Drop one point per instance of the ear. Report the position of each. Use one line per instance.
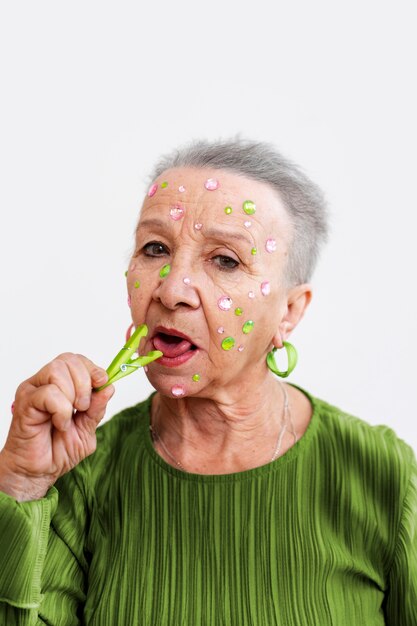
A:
(298, 299)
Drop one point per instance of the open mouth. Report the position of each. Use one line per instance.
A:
(176, 349)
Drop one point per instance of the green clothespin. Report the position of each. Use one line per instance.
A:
(123, 364)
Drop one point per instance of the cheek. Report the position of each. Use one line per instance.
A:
(235, 319)
(137, 285)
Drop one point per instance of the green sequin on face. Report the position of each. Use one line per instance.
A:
(126, 273)
(228, 210)
(196, 378)
(164, 184)
(247, 327)
(137, 284)
(165, 270)
(254, 251)
(238, 311)
(228, 343)
(249, 207)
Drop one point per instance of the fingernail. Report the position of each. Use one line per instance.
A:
(99, 375)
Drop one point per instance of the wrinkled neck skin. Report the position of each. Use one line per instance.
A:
(234, 430)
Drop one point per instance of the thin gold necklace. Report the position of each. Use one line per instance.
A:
(286, 417)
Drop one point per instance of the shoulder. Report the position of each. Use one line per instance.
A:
(364, 475)
(374, 454)
(355, 432)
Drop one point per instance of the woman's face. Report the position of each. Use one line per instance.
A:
(207, 277)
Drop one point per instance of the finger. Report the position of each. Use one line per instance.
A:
(75, 375)
(86, 375)
(98, 404)
(55, 373)
(91, 418)
(50, 403)
(98, 375)
(82, 372)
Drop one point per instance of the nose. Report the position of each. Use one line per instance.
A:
(177, 288)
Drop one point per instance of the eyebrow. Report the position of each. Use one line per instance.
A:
(150, 222)
(214, 233)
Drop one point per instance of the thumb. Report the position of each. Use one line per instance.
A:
(97, 409)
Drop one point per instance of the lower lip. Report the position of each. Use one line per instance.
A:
(176, 360)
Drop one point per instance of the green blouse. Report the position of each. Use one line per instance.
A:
(325, 535)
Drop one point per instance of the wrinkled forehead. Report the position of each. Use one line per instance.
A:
(213, 194)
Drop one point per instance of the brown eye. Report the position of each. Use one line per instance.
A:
(154, 248)
(225, 263)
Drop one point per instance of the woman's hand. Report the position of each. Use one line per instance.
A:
(54, 423)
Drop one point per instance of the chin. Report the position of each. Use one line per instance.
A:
(173, 386)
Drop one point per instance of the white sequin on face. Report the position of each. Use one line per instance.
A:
(181, 188)
(211, 184)
(178, 391)
(265, 288)
(176, 212)
(271, 245)
(251, 294)
(186, 280)
(224, 303)
(198, 226)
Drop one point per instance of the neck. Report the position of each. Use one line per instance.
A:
(208, 436)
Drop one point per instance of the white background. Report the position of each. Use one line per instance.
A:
(93, 92)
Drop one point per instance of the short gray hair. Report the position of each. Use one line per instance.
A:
(260, 161)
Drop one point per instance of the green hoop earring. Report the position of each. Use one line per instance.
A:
(292, 359)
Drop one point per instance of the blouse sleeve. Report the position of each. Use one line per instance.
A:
(401, 596)
(43, 566)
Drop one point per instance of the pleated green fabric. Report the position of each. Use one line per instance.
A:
(324, 535)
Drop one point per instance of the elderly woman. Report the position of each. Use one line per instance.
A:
(227, 497)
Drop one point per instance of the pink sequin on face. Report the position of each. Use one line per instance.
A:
(220, 330)
(181, 188)
(186, 280)
(248, 224)
(152, 190)
(265, 288)
(177, 391)
(176, 212)
(271, 245)
(198, 226)
(251, 294)
(224, 303)
(211, 184)
(129, 301)
(241, 348)
(132, 267)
